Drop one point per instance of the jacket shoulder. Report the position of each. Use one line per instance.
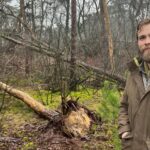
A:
(134, 64)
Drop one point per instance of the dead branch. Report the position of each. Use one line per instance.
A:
(37, 48)
(46, 51)
(103, 74)
(9, 139)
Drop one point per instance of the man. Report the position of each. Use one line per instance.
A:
(134, 115)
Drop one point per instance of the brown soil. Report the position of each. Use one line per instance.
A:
(41, 135)
(22, 129)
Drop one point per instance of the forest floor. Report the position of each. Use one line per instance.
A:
(22, 129)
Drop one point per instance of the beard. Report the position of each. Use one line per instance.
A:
(146, 55)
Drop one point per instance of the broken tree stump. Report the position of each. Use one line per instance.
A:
(78, 119)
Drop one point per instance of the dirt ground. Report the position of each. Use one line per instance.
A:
(22, 129)
(39, 134)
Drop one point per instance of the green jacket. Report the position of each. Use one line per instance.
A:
(134, 115)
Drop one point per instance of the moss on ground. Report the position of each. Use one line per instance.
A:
(15, 115)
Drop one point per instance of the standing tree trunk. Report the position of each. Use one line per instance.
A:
(64, 79)
(41, 18)
(108, 33)
(33, 15)
(67, 23)
(73, 46)
(25, 32)
(22, 14)
(103, 38)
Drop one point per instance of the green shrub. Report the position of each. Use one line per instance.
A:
(109, 104)
(108, 109)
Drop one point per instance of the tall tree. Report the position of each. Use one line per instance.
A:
(108, 34)
(73, 46)
(23, 29)
(22, 14)
(65, 83)
(33, 15)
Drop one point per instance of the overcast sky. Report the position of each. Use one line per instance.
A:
(14, 3)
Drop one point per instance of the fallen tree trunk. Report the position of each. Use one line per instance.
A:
(103, 74)
(31, 102)
(76, 121)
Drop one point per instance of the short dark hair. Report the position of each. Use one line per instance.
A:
(141, 24)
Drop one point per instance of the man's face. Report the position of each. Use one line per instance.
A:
(144, 42)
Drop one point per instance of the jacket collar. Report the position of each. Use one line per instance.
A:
(136, 70)
(135, 65)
